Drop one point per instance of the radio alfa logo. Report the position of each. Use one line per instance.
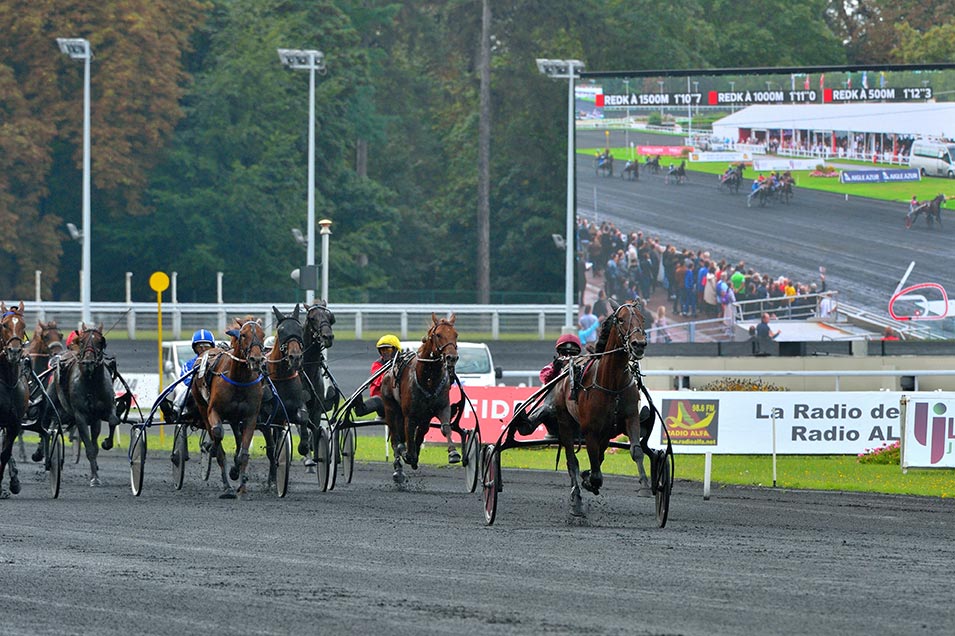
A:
(934, 430)
(691, 422)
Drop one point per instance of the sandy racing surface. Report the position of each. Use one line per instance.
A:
(369, 558)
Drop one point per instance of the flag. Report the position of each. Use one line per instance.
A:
(806, 85)
(865, 80)
(822, 81)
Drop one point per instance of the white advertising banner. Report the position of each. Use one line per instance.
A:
(720, 157)
(782, 163)
(823, 423)
(145, 388)
(929, 431)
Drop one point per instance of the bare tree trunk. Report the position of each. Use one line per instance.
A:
(484, 154)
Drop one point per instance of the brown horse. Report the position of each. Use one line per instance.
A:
(47, 341)
(228, 387)
(83, 392)
(14, 393)
(605, 402)
(416, 390)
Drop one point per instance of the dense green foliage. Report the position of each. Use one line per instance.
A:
(200, 135)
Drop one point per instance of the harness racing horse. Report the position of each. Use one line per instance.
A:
(318, 336)
(676, 174)
(416, 390)
(653, 164)
(631, 171)
(14, 391)
(83, 392)
(932, 210)
(283, 365)
(47, 341)
(228, 387)
(604, 163)
(605, 402)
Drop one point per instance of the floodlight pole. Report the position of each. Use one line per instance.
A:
(79, 49)
(312, 61)
(569, 70)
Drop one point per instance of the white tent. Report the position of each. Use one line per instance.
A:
(902, 119)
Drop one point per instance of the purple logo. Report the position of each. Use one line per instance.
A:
(936, 431)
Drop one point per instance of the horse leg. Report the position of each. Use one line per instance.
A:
(214, 427)
(573, 469)
(6, 457)
(593, 479)
(419, 435)
(635, 428)
(113, 423)
(269, 452)
(242, 457)
(454, 457)
(83, 430)
(23, 449)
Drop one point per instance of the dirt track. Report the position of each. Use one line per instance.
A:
(367, 558)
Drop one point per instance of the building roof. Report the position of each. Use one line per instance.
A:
(907, 119)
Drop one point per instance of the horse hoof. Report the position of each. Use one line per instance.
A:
(94, 482)
(228, 494)
(398, 476)
(107, 444)
(454, 457)
(234, 473)
(4, 494)
(14, 486)
(243, 490)
(37, 455)
(303, 448)
(644, 490)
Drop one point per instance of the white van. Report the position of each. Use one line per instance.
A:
(475, 366)
(933, 158)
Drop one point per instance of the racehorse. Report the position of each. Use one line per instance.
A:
(14, 393)
(677, 175)
(228, 387)
(604, 162)
(284, 367)
(604, 402)
(653, 164)
(631, 171)
(417, 390)
(732, 178)
(47, 341)
(83, 392)
(785, 187)
(932, 210)
(318, 336)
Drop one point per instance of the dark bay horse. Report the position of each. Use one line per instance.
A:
(318, 336)
(283, 365)
(631, 171)
(14, 391)
(417, 390)
(932, 210)
(607, 401)
(83, 392)
(228, 387)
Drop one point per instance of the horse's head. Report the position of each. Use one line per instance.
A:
(318, 325)
(47, 339)
(13, 332)
(92, 347)
(289, 338)
(627, 324)
(441, 342)
(248, 342)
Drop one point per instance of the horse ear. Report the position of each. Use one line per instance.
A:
(3, 307)
(20, 308)
(295, 312)
(237, 321)
(434, 318)
(323, 303)
(277, 313)
(99, 327)
(452, 318)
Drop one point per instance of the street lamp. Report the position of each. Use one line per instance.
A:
(312, 61)
(569, 70)
(325, 232)
(79, 49)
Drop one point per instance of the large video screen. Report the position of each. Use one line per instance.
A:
(804, 174)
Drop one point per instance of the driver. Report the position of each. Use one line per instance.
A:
(388, 345)
(567, 347)
(180, 400)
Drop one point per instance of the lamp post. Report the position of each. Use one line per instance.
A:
(311, 61)
(79, 49)
(626, 84)
(733, 103)
(660, 82)
(325, 232)
(696, 89)
(569, 70)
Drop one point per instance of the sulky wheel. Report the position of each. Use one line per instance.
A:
(664, 485)
(55, 457)
(180, 450)
(283, 460)
(472, 459)
(205, 455)
(334, 456)
(491, 482)
(348, 448)
(321, 451)
(137, 459)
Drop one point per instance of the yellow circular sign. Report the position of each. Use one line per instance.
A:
(159, 281)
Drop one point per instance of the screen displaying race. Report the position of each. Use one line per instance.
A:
(658, 153)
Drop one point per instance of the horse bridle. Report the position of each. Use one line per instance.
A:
(14, 338)
(255, 341)
(438, 354)
(86, 347)
(328, 318)
(632, 360)
(283, 347)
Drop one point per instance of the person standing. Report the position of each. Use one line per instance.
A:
(764, 335)
(587, 323)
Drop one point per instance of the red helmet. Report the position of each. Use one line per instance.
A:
(70, 338)
(567, 341)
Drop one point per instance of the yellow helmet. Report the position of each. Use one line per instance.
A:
(388, 340)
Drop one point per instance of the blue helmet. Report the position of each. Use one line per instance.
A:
(203, 336)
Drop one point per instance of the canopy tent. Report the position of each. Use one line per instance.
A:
(903, 119)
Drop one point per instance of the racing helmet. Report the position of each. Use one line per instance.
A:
(389, 340)
(70, 339)
(203, 336)
(568, 344)
(269, 342)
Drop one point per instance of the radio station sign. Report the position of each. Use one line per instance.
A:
(772, 96)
